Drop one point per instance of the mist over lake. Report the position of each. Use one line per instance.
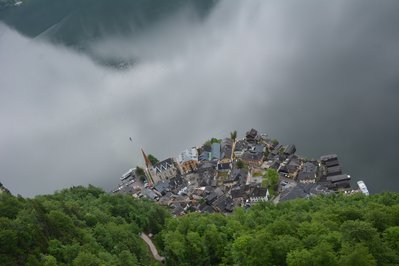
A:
(323, 75)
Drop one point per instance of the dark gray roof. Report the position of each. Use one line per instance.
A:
(162, 186)
(294, 193)
(237, 192)
(334, 170)
(241, 145)
(164, 165)
(210, 197)
(238, 174)
(252, 134)
(343, 184)
(337, 178)
(259, 148)
(333, 162)
(223, 166)
(258, 192)
(251, 156)
(308, 171)
(290, 149)
(328, 157)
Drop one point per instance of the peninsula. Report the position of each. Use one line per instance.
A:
(222, 174)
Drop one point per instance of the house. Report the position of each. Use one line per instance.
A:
(342, 180)
(150, 194)
(205, 156)
(223, 167)
(211, 197)
(289, 150)
(290, 165)
(162, 187)
(240, 147)
(237, 176)
(166, 169)
(259, 194)
(334, 170)
(329, 160)
(223, 204)
(252, 136)
(188, 160)
(216, 151)
(308, 173)
(253, 157)
(238, 192)
(227, 150)
(295, 192)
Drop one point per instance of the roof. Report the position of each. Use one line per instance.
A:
(294, 193)
(334, 170)
(223, 166)
(328, 157)
(309, 167)
(333, 162)
(238, 174)
(308, 171)
(337, 178)
(227, 146)
(164, 165)
(205, 156)
(251, 135)
(241, 145)
(290, 149)
(188, 155)
(237, 192)
(215, 150)
(259, 192)
(251, 156)
(259, 148)
(162, 186)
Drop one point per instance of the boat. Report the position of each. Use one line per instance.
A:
(363, 188)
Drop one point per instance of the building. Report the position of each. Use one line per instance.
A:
(149, 171)
(339, 181)
(188, 160)
(166, 169)
(223, 167)
(252, 136)
(252, 157)
(308, 173)
(227, 150)
(329, 160)
(289, 150)
(240, 147)
(259, 194)
(216, 150)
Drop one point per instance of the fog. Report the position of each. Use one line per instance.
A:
(320, 74)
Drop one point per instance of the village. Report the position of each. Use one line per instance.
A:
(226, 173)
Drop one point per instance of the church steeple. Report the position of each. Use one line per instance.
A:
(146, 160)
(149, 170)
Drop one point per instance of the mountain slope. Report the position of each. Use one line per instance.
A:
(86, 226)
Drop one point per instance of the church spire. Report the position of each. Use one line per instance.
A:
(146, 160)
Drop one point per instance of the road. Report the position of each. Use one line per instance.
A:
(152, 247)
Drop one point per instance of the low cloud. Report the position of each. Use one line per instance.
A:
(319, 74)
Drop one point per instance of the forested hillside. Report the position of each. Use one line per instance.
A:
(336, 230)
(86, 226)
(78, 226)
